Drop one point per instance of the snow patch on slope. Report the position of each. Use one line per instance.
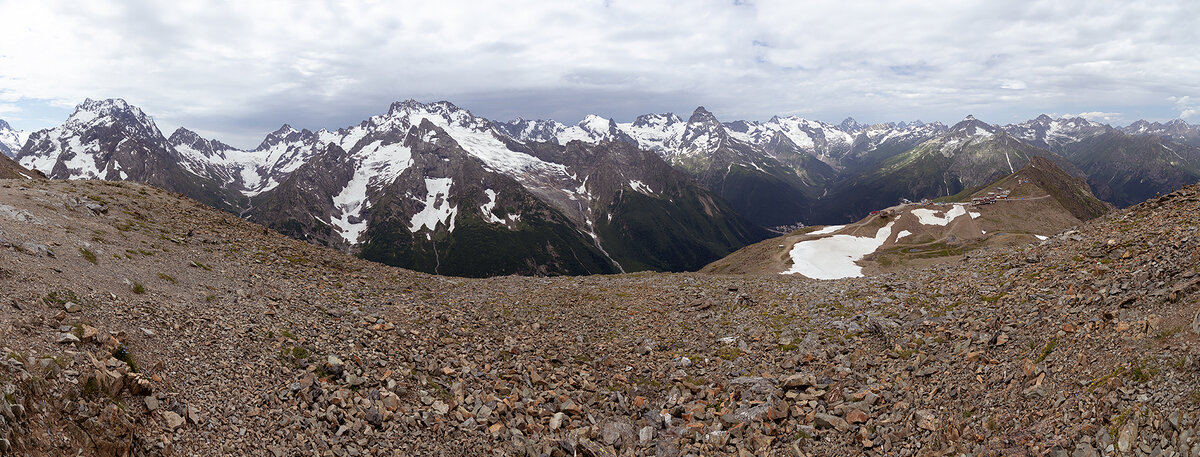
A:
(931, 217)
(351, 201)
(834, 257)
(641, 187)
(489, 206)
(437, 206)
(829, 229)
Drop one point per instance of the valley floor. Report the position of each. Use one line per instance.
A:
(135, 321)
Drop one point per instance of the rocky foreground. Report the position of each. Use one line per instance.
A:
(135, 322)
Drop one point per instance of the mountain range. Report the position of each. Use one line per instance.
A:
(435, 188)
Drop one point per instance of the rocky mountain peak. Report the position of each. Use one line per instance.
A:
(406, 106)
(184, 136)
(703, 116)
(850, 125)
(116, 111)
(972, 126)
(280, 135)
(1044, 118)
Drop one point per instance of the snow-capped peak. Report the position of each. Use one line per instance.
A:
(112, 110)
(11, 139)
(656, 120)
(597, 125)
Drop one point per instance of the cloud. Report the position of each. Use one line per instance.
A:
(1187, 109)
(1014, 84)
(246, 67)
(1099, 116)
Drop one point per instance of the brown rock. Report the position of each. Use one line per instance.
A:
(926, 419)
(828, 421)
(799, 381)
(173, 420)
(855, 416)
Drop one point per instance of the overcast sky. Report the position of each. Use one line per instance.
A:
(237, 70)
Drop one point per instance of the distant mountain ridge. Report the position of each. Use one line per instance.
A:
(425, 186)
(397, 189)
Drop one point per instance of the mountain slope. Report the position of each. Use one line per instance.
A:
(443, 209)
(1125, 169)
(10, 169)
(1036, 201)
(648, 215)
(758, 185)
(969, 155)
(1176, 130)
(412, 196)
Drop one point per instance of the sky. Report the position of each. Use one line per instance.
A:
(235, 70)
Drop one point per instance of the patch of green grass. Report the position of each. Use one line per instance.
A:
(88, 255)
(1047, 349)
(123, 355)
(1118, 421)
(201, 266)
(60, 297)
(992, 298)
(166, 277)
(1103, 379)
(1165, 334)
(1142, 373)
(292, 355)
(138, 288)
(729, 352)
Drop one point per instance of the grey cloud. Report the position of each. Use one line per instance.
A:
(239, 69)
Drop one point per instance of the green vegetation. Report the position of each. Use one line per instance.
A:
(1168, 333)
(138, 288)
(166, 277)
(1104, 379)
(294, 355)
(1047, 349)
(729, 352)
(123, 355)
(60, 297)
(1142, 372)
(88, 255)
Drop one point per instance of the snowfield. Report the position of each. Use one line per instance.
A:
(437, 207)
(930, 216)
(833, 257)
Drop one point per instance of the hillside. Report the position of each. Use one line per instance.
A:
(10, 169)
(139, 322)
(1038, 200)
